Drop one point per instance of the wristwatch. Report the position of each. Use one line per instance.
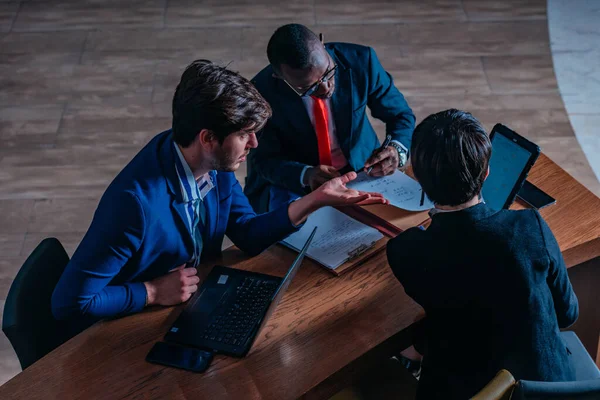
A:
(402, 153)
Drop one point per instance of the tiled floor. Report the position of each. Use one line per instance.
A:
(86, 83)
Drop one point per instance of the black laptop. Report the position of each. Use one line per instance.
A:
(231, 308)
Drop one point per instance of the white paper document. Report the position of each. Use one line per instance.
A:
(401, 190)
(338, 237)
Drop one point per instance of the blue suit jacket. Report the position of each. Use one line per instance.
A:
(496, 292)
(139, 232)
(288, 142)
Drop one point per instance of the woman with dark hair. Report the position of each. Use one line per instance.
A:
(493, 284)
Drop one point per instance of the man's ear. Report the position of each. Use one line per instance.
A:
(487, 173)
(207, 139)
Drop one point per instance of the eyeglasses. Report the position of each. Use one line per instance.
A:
(328, 75)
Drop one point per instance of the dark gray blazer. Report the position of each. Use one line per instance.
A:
(496, 291)
(288, 142)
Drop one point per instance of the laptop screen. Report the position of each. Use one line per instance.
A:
(286, 282)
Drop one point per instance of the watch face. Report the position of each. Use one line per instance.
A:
(403, 159)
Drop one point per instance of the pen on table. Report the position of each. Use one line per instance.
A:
(385, 144)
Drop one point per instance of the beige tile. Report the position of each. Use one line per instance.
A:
(486, 10)
(476, 49)
(9, 267)
(533, 124)
(524, 74)
(57, 182)
(114, 131)
(11, 244)
(382, 11)
(108, 80)
(20, 89)
(426, 75)
(481, 32)
(231, 13)
(159, 60)
(123, 139)
(87, 83)
(15, 215)
(62, 215)
(164, 87)
(70, 155)
(8, 11)
(533, 32)
(248, 68)
(114, 123)
(29, 126)
(192, 39)
(47, 42)
(460, 82)
(101, 112)
(493, 102)
(32, 59)
(69, 240)
(89, 14)
(180, 60)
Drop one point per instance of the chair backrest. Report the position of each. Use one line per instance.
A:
(575, 390)
(28, 321)
(499, 388)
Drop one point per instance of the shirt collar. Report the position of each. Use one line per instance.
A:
(472, 214)
(435, 211)
(190, 188)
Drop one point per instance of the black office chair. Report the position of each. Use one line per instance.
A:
(586, 386)
(28, 321)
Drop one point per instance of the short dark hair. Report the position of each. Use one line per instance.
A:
(450, 154)
(292, 44)
(212, 97)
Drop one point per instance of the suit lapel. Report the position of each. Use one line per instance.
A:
(341, 103)
(211, 203)
(167, 161)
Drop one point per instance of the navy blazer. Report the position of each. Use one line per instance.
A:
(140, 232)
(495, 290)
(288, 142)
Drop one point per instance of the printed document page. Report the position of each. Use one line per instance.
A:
(338, 237)
(401, 190)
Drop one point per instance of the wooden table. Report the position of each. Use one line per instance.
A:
(326, 330)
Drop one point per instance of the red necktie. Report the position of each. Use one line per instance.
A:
(322, 129)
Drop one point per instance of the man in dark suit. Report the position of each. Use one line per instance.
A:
(493, 284)
(319, 94)
(172, 204)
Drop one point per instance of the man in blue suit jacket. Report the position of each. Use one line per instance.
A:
(172, 204)
(345, 79)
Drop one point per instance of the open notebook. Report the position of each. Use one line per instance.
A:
(339, 238)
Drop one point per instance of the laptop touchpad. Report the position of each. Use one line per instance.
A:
(208, 300)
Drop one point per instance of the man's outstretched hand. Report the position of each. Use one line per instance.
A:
(335, 193)
(332, 193)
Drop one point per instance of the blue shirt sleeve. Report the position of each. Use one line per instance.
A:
(115, 235)
(253, 233)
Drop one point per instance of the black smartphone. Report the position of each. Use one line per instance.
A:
(174, 355)
(534, 196)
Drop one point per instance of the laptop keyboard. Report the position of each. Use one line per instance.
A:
(233, 322)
